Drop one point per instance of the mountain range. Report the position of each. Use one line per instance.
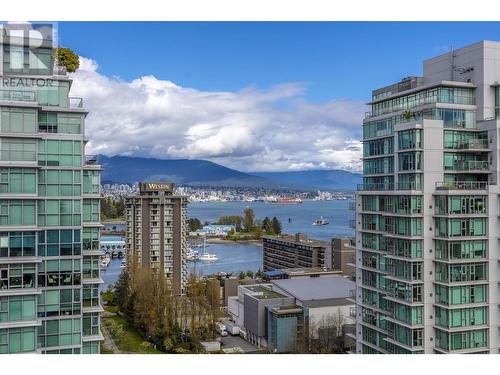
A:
(127, 169)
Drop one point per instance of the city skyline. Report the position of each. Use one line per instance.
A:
(231, 101)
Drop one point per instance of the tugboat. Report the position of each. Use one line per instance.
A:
(321, 221)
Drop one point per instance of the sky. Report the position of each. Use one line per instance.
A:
(251, 96)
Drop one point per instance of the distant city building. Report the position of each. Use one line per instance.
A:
(49, 204)
(157, 231)
(344, 256)
(294, 251)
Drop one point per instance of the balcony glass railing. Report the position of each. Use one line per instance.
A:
(462, 185)
(75, 102)
(471, 144)
(389, 186)
(469, 165)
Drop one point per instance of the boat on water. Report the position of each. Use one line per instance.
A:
(123, 264)
(105, 262)
(287, 201)
(321, 221)
(207, 256)
(192, 255)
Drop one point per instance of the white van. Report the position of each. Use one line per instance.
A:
(221, 328)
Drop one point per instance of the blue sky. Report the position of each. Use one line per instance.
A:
(335, 60)
(250, 96)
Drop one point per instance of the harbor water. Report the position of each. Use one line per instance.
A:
(236, 257)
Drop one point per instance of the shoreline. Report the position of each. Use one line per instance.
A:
(229, 242)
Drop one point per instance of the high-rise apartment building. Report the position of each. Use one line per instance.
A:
(157, 231)
(49, 204)
(294, 251)
(427, 215)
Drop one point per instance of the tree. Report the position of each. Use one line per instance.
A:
(194, 225)
(259, 274)
(265, 224)
(67, 58)
(241, 275)
(250, 274)
(276, 225)
(234, 220)
(248, 219)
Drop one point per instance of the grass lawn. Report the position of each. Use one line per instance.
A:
(126, 337)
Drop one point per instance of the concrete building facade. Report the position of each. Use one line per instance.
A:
(427, 213)
(157, 231)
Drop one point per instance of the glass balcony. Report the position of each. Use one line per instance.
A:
(75, 102)
(469, 165)
(389, 186)
(462, 185)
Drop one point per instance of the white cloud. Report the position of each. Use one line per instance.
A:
(251, 130)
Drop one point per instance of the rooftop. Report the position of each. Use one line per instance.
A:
(298, 239)
(263, 292)
(316, 288)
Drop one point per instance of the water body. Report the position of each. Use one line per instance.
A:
(111, 274)
(243, 257)
(302, 215)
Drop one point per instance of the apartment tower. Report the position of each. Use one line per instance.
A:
(49, 204)
(157, 231)
(427, 213)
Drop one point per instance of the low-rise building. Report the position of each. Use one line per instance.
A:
(291, 315)
(292, 251)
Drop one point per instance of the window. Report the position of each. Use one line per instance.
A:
(61, 332)
(91, 210)
(59, 302)
(91, 182)
(17, 244)
(59, 272)
(17, 180)
(91, 324)
(17, 149)
(16, 308)
(55, 182)
(90, 238)
(17, 340)
(61, 242)
(68, 123)
(17, 276)
(18, 120)
(59, 153)
(62, 212)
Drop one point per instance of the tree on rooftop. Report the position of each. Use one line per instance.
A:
(67, 58)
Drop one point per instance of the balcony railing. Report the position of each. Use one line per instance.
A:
(75, 102)
(18, 95)
(352, 224)
(91, 159)
(472, 144)
(352, 293)
(389, 187)
(352, 206)
(462, 185)
(469, 165)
